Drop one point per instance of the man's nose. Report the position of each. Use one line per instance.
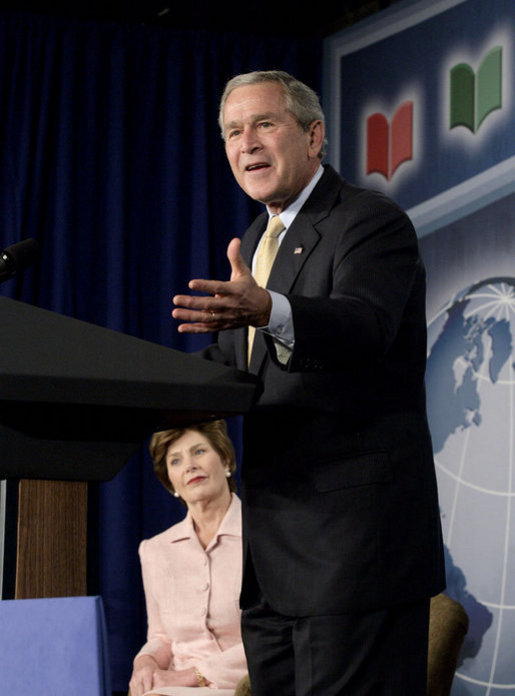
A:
(249, 141)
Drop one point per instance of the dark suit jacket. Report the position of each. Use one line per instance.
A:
(340, 506)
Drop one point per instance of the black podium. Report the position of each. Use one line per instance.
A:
(76, 401)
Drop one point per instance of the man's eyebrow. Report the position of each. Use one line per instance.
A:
(256, 117)
(269, 114)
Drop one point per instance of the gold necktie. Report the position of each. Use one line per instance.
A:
(264, 261)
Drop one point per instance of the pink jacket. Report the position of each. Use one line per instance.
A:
(192, 598)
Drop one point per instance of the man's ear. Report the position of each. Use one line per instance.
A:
(316, 137)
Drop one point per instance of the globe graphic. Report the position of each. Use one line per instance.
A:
(471, 409)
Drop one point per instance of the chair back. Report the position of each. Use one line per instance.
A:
(448, 626)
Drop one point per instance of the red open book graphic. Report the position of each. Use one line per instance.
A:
(389, 146)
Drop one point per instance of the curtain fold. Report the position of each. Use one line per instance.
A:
(111, 157)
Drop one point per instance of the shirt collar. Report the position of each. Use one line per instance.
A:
(288, 214)
(231, 523)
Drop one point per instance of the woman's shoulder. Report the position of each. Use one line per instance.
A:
(179, 530)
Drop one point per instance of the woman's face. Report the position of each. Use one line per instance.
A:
(195, 469)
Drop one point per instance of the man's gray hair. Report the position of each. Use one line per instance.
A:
(301, 101)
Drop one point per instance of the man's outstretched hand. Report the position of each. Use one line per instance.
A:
(226, 305)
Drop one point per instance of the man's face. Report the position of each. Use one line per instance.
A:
(271, 157)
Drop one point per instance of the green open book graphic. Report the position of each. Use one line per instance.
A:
(473, 97)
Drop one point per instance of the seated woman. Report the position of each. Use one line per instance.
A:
(192, 571)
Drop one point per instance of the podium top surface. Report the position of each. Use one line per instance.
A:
(74, 390)
(47, 357)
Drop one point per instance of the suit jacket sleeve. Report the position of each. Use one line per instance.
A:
(158, 643)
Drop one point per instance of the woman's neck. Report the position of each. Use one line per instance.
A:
(207, 517)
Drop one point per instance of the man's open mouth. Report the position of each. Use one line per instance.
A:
(254, 167)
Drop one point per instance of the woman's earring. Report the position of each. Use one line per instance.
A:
(228, 473)
(176, 495)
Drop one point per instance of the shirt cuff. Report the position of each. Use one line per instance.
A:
(280, 327)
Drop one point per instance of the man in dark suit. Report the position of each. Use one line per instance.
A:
(341, 523)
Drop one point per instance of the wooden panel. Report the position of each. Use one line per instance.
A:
(51, 558)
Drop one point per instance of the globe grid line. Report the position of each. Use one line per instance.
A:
(473, 486)
(488, 685)
(493, 605)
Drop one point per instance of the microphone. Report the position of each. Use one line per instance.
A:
(17, 257)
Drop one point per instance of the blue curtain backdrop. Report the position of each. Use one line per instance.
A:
(110, 156)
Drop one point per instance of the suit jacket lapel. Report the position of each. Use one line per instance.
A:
(293, 253)
(302, 237)
(298, 244)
